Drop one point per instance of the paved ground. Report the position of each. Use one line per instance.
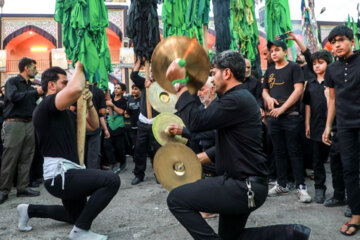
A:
(140, 212)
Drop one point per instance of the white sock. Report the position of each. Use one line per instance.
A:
(22, 210)
(81, 234)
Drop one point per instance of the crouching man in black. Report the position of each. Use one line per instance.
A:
(64, 178)
(240, 162)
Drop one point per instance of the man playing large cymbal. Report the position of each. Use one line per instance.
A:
(241, 186)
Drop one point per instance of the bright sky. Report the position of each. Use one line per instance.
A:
(336, 10)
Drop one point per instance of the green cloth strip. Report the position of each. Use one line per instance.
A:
(184, 80)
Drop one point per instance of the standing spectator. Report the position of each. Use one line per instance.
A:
(133, 110)
(315, 120)
(343, 79)
(93, 138)
(283, 87)
(18, 131)
(2, 96)
(117, 126)
(252, 84)
(145, 141)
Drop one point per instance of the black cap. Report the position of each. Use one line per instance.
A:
(278, 43)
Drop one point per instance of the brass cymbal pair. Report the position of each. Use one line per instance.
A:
(175, 164)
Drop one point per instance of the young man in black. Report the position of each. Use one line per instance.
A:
(240, 162)
(117, 133)
(343, 79)
(283, 87)
(145, 141)
(315, 119)
(64, 178)
(133, 110)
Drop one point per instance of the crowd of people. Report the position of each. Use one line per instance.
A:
(248, 133)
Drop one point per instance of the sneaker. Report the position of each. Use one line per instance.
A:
(347, 212)
(319, 195)
(278, 190)
(303, 195)
(22, 210)
(291, 186)
(333, 202)
(116, 169)
(272, 181)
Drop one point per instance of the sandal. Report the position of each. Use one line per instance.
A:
(355, 226)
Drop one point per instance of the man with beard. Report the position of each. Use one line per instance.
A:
(240, 161)
(18, 131)
(84, 192)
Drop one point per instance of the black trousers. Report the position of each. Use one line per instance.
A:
(349, 139)
(118, 143)
(92, 151)
(226, 196)
(99, 186)
(321, 153)
(145, 143)
(337, 169)
(285, 136)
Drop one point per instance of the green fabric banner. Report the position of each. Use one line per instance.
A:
(84, 25)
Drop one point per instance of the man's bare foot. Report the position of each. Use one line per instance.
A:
(352, 226)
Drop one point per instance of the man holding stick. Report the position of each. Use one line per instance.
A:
(64, 178)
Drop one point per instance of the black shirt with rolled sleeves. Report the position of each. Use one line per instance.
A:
(280, 83)
(315, 97)
(56, 130)
(140, 82)
(99, 102)
(344, 77)
(133, 110)
(20, 98)
(237, 119)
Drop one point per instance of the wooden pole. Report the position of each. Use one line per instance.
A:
(147, 78)
(81, 127)
(205, 39)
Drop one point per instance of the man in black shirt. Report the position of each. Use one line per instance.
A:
(240, 162)
(252, 84)
(64, 178)
(283, 87)
(18, 131)
(133, 110)
(93, 138)
(343, 79)
(145, 141)
(117, 128)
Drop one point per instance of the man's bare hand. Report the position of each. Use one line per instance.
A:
(203, 157)
(39, 90)
(176, 129)
(276, 112)
(270, 103)
(326, 136)
(87, 96)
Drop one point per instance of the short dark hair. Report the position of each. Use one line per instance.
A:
(232, 60)
(322, 54)
(50, 75)
(341, 30)
(134, 85)
(24, 62)
(122, 85)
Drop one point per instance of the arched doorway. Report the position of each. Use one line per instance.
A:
(29, 41)
(114, 36)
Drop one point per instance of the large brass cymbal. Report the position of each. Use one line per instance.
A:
(176, 164)
(197, 62)
(160, 128)
(160, 99)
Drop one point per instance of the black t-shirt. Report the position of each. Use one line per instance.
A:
(315, 97)
(121, 103)
(344, 77)
(99, 103)
(280, 83)
(134, 110)
(56, 130)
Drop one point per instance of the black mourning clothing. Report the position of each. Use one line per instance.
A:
(236, 116)
(20, 98)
